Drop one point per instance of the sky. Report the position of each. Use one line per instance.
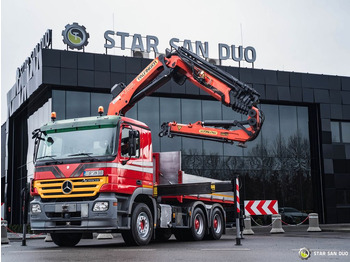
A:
(309, 36)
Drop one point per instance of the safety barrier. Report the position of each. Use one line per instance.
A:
(313, 223)
(48, 238)
(248, 226)
(4, 238)
(277, 224)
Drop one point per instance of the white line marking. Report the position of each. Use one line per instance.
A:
(133, 250)
(225, 249)
(34, 251)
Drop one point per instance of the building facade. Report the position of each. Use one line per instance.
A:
(301, 157)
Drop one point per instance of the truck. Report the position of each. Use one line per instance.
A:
(100, 174)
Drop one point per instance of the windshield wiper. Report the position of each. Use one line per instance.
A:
(85, 154)
(52, 157)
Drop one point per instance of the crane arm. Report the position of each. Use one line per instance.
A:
(182, 65)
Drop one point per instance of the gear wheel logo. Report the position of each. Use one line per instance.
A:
(75, 36)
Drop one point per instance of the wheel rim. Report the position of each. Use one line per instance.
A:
(198, 224)
(217, 223)
(143, 225)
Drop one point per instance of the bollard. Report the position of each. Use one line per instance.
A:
(104, 236)
(276, 224)
(4, 239)
(248, 226)
(313, 223)
(48, 238)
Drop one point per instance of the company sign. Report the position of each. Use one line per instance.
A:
(75, 36)
(151, 42)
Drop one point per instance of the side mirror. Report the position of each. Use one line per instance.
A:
(133, 135)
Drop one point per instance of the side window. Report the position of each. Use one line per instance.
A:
(125, 143)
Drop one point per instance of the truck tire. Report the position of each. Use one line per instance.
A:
(199, 224)
(217, 224)
(66, 239)
(141, 230)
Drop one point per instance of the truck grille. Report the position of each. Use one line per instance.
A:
(80, 187)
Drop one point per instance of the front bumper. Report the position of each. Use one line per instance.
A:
(75, 216)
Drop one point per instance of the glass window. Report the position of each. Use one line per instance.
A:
(303, 121)
(148, 112)
(212, 111)
(345, 131)
(191, 112)
(59, 103)
(335, 131)
(125, 143)
(170, 110)
(270, 132)
(85, 141)
(99, 99)
(77, 104)
(229, 114)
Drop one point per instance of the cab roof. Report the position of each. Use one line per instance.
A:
(82, 122)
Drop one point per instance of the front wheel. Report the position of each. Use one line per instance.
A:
(66, 239)
(141, 230)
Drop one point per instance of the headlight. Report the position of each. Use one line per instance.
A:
(100, 206)
(93, 173)
(36, 208)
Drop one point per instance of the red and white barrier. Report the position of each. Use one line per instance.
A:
(261, 207)
(237, 196)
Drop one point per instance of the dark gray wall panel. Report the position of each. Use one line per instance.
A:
(308, 95)
(284, 93)
(133, 65)
(321, 96)
(51, 75)
(296, 94)
(271, 92)
(325, 110)
(69, 60)
(69, 77)
(118, 64)
(51, 58)
(346, 112)
(85, 61)
(345, 83)
(86, 78)
(336, 111)
(295, 79)
(345, 97)
(335, 96)
(102, 63)
(283, 78)
(271, 77)
(103, 79)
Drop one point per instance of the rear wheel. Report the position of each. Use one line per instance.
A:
(199, 224)
(141, 226)
(217, 224)
(66, 239)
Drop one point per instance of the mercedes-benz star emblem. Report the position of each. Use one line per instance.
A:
(67, 187)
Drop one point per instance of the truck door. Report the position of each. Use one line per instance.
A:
(134, 167)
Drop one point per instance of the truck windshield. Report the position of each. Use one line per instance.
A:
(77, 143)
